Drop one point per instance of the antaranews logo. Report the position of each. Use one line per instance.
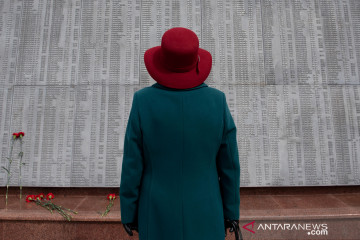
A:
(311, 229)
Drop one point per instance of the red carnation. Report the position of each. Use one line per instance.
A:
(111, 196)
(49, 205)
(16, 135)
(21, 134)
(49, 196)
(29, 198)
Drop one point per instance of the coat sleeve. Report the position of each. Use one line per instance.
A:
(132, 166)
(228, 167)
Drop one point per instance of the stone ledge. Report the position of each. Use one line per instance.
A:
(261, 203)
(338, 206)
(86, 201)
(293, 203)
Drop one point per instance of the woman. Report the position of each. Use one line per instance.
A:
(180, 174)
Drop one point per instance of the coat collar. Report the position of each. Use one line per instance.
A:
(157, 85)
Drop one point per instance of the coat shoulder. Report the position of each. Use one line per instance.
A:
(216, 91)
(146, 91)
(143, 91)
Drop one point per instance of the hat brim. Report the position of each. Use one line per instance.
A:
(178, 80)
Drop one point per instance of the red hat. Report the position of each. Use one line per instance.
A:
(178, 62)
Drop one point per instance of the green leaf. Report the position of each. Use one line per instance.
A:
(21, 154)
(6, 170)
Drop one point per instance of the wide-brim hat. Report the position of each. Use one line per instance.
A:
(178, 62)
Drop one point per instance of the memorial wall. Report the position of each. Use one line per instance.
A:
(290, 70)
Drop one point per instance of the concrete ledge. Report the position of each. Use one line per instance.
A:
(88, 202)
(300, 203)
(22, 220)
(338, 207)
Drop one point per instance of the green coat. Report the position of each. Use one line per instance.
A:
(180, 172)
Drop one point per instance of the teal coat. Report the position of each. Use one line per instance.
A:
(180, 172)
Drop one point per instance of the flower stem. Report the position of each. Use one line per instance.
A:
(59, 209)
(21, 156)
(65, 215)
(70, 210)
(8, 170)
(46, 205)
(108, 208)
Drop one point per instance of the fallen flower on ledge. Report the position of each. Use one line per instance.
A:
(46, 203)
(111, 198)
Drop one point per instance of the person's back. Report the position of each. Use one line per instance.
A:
(180, 176)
